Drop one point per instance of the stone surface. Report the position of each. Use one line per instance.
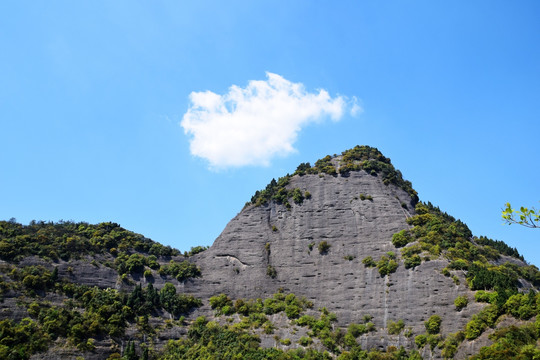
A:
(258, 237)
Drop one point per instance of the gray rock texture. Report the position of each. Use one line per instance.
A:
(287, 240)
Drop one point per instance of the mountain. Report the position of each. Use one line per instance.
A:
(338, 260)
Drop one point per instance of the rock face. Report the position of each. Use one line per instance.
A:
(309, 234)
(261, 239)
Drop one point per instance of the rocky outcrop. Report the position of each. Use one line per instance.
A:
(261, 239)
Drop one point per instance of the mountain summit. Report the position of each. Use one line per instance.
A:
(338, 260)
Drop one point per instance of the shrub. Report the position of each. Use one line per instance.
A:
(297, 196)
(401, 238)
(370, 326)
(286, 342)
(474, 328)
(292, 311)
(181, 271)
(366, 197)
(176, 304)
(305, 341)
(433, 324)
(413, 261)
(271, 271)
(218, 302)
(148, 274)
(268, 327)
(196, 250)
(409, 332)
(357, 329)
(349, 257)
(460, 302)
(485, 296)
(369, 262)
(395, 328)
(420, 341)
(445, 272)
(323, 247)
(459, 264)
(386, 266)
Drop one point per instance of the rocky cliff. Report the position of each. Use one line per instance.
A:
(356, 215)
(341, 256)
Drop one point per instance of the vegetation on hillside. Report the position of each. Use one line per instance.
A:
(80, 314)
(359, 158)
(60, 312)
(87, 313)
(436, 234)
(240, 324)
(68, 240)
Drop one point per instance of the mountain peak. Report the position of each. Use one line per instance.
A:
(360, 158)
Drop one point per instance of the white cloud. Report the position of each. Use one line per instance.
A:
(251, 125)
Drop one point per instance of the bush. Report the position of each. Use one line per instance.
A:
(297, 196)
(271, 271)
(323, 247)
(357, 329)
(474, 329)
(177, 304)
(445, 272)
(433, 324)
(292, 311)
(286, 342)
(181, 271)
(305, 341)
(195, 250)
(366, 197)
(413, 261)
(420, 341)
(219, 301)
(402, 238)
(394, 328)
(148, 274)
(386, 266)
(485, 296)
(461, 302)
(459, 264)
(369, 262)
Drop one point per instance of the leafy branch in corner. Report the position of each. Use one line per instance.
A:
(527, 217)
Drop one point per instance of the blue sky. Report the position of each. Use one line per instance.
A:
(92, 96)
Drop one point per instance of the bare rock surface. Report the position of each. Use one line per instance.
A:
(272, 236)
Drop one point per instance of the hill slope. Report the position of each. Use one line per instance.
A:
(337, 260)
